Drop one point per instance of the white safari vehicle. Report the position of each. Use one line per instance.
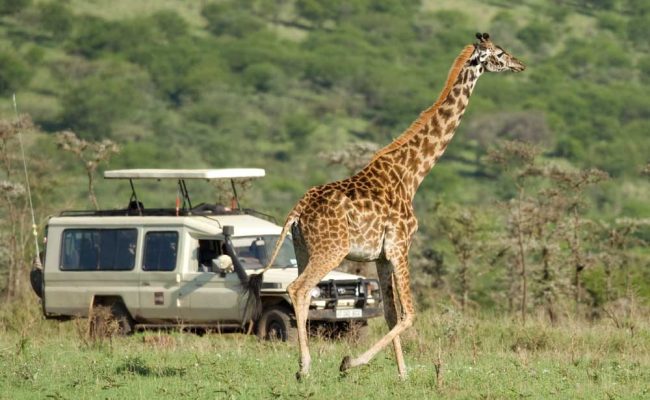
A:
(185, 265)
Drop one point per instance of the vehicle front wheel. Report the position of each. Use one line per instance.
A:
(276, 323)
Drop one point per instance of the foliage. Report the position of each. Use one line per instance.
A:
(14, 73)
(13, 6)
(56, 18)
(91, 154)
(474, 356)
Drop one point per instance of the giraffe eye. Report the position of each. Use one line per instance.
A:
(501, 54)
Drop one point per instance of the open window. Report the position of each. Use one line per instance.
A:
(209, 250)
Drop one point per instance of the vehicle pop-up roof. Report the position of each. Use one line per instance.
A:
(180, 175)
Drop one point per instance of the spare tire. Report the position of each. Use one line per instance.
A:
(36, 279)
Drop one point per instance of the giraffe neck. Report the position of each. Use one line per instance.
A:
(411, 156)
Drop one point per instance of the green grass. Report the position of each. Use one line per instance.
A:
(481, 358)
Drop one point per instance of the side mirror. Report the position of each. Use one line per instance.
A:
(223, 264)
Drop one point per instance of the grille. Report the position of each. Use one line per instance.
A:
(341, 289)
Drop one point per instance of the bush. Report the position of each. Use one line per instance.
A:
(170, 24)
(94, 104)
(55, 18)
(13, 6)
(223, 20)
(264, 77)
(14, 73)
(536, 35)
(93, 36)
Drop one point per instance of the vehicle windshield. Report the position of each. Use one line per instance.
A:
(254, 251)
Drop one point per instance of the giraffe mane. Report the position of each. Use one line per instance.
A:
(415, 127)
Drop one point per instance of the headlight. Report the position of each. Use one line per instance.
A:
(315, 292)
(373, 287)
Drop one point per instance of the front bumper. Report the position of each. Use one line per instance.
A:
(330, 314)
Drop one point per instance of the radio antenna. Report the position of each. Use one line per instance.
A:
(29, 191)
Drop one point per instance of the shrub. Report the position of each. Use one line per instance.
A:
(224, 20)
(55, 18)
(14, 73)
(94, 104)
(264, 77)
(13, 6)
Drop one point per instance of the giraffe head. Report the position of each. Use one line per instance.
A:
(493, 57)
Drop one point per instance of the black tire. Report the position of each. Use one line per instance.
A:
(36, 279)
(277, 323)
(123, 318)
(102, 315)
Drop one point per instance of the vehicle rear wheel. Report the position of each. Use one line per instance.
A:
(110, 319)
(123, 318)
(276, 323)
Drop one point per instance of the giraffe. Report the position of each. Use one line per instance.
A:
(369, 216)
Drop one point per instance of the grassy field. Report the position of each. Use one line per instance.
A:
(488, 358)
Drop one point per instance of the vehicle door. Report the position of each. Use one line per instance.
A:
(214, 295)
(159, 280)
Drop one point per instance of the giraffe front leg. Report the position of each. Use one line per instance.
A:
(301, 308)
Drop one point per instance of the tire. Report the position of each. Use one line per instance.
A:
(123, 318)
(110, 319)
(276, 323)
(36, 280)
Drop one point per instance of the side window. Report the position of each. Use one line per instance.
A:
(207, 251)
(160, 250)
(98, 249)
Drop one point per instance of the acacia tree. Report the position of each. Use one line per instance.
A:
(462, 227)
(546, 226)
(576, 229)
(91, 154)
(616, 240)
(518, 161)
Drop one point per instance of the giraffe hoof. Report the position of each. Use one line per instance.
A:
(345, 364)
(301, 376)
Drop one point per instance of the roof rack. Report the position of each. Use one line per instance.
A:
(201, 210)
(208, 174)
(181, 175)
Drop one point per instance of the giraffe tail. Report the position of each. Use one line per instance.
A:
(253, 287)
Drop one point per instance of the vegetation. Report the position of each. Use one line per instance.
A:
(487, 357)
(536, 215)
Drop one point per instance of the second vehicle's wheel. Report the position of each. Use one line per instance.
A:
(276, 323)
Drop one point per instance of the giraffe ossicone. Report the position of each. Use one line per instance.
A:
(369, 216)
